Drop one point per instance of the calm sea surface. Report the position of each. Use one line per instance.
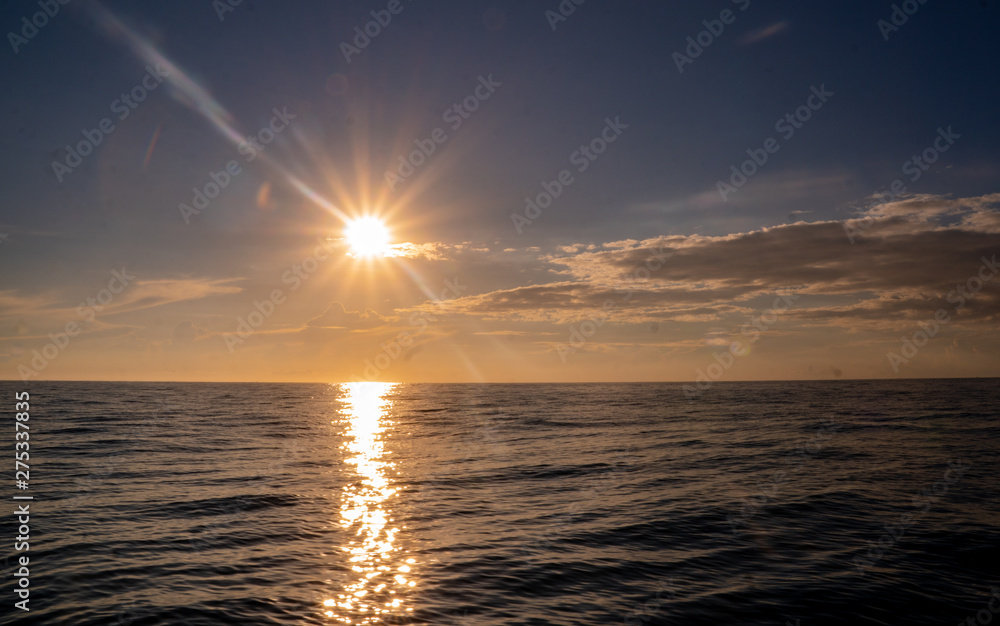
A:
(757, 503)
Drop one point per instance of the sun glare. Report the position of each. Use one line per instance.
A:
(368, 237)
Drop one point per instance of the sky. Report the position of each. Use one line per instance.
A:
(572, 191)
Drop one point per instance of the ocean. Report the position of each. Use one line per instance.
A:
(838, 502)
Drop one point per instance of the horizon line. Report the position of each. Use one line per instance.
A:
(580, 382)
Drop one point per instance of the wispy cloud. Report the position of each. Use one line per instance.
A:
(336, 316)
(761, 34)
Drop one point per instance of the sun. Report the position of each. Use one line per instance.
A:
(368, 237)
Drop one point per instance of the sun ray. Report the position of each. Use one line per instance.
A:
(189, 92)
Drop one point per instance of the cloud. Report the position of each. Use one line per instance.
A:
(907, 258)
(338, 317)
(567, 301)
(13, 303)
(763, 33)
(778, 188)
(55, 309)
(510, 333)
(187, 332)
(147, 294)
(433, 251)
(922, 212)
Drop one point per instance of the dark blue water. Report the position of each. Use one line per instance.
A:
(757, 503)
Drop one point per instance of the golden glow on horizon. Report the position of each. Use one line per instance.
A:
(368, 237)
(380, 586)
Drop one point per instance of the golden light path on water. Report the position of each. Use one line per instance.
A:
(382, 571)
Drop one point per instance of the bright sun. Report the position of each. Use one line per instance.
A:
(368, 237)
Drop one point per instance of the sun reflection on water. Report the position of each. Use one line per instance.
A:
(383, 574)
